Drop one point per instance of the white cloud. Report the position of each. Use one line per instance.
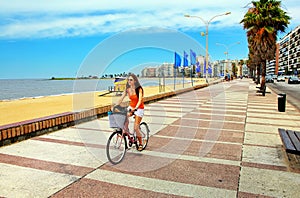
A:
(56, 18)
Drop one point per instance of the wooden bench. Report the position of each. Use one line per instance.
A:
(291, 140)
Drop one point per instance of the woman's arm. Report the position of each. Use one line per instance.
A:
(122, 97)
(141, 98)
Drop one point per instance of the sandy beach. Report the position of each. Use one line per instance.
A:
(31, 108)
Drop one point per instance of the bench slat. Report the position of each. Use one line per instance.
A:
(286, 141)
(295, 140)
(297, 134)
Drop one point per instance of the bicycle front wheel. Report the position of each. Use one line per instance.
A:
(145, 134)
(116, 147)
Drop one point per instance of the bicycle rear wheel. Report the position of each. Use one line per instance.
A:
(116, 147)
(145, 134)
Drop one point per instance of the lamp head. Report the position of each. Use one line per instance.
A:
(227, 13)
(187, 15)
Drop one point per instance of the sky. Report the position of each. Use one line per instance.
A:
(44, 39)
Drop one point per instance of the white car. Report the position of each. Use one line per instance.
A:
(280, 78)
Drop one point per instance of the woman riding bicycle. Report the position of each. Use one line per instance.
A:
(135, 93)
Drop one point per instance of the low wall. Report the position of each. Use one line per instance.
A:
(19, 131)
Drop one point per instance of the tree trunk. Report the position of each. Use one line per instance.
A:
(252, 73)
(263, 74)
(258, 74)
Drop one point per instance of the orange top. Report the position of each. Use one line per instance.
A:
(134, 100)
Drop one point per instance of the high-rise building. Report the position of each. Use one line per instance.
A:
(289, 53)
(149, 72)
(271, 67)
(166, 70)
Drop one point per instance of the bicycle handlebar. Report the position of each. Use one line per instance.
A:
(120, 109)
(130, 110)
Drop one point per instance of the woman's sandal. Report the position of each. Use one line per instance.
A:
(140, 148)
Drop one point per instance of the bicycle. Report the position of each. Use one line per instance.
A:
(122, 140)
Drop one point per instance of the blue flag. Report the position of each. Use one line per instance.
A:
(209, 69)
(204, 67)
(185, 60)
(198, 68)
(177, 62)
(193, 57)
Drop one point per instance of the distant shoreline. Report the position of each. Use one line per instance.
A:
(85, 78)
(94, 78)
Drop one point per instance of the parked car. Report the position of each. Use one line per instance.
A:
(294, 80)
(280, 78)
(269, 79)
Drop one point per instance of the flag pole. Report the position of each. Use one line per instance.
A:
(177, 63)
(192, 75)
(174, 70)
(174, 76)
(193, 62)
(182, 76)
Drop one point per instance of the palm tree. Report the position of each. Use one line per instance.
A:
(254, 57)
(234, 69)
(263, 21)
(251, 67)
(241, 63)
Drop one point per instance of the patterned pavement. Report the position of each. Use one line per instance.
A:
(219, 141)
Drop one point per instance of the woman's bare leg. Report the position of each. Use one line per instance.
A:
(137, 128)
(125, 128)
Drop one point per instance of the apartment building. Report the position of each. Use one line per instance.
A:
(166, 70)
(271, 67)
(289, 53)
(149, 72)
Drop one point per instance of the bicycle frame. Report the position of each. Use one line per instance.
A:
(131, 136)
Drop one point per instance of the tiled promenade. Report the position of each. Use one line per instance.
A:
(219, 141)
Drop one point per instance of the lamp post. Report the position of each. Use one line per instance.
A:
(226, 52)
(206, 35)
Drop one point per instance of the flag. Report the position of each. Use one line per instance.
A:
(204, 67)
(185, 60)
(193, 57)
(198, 68)
(177, 62)
(209, 69)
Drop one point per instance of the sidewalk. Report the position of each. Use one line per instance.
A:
(219, 141)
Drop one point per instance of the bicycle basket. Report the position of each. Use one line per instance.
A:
(117, 120)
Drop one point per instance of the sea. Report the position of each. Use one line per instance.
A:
(14, 89)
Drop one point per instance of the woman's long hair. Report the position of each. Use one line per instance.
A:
(136, 84)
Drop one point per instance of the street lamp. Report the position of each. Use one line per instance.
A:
(206, 35)
(226, 52)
